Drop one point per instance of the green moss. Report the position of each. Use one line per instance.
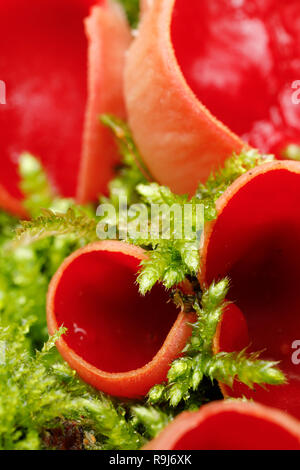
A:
(187, 373)
(39, 391)
(131, 8)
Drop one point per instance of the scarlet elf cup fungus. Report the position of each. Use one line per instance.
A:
(255, 241)
(62, 63)
(199, 66)
(117, 340)
(230, 426)
(144, 5)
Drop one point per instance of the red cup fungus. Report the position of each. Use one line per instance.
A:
(230, 425)
(203, 78)
(117, 340)
(255, 241)
(62, 64)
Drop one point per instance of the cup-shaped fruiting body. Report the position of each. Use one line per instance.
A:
(231, 425)
(200, 68)
(170, 125)
(255, 241)
(117, 340)
(62, 64)
(145, 5)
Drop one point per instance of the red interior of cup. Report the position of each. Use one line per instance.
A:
(256, 242)
(110, 325)
(240, 58)
(230, 429)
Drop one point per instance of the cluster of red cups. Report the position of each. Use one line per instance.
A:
(199, 81)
